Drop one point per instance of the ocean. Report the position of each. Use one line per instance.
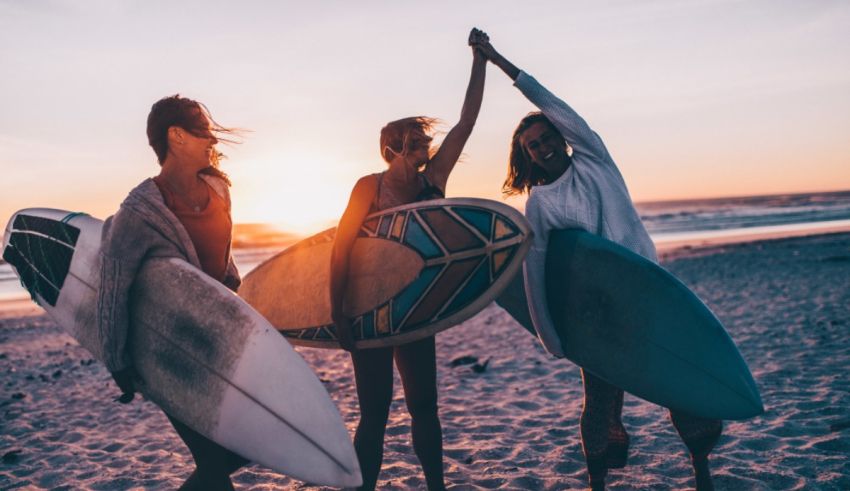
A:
(679, 222)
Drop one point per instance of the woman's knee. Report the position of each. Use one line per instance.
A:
(422, 408)
(600, 397)
(376, 411)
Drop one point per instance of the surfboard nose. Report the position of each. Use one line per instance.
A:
(748, 393)
(671, 348)
(290, 414)
(758, 405)
(300, 434)
(225, 371)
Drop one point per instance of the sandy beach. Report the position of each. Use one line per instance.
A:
(510, 423)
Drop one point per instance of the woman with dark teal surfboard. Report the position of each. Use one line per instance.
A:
(415, 173)
(573, 182)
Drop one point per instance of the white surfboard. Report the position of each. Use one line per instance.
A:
(206, 357)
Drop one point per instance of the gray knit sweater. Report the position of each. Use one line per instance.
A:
(142, 228)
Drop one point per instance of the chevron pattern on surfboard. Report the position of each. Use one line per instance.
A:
(465, 249)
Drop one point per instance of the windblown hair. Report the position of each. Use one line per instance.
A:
(394, 133)
(191, 116)
(522, 173)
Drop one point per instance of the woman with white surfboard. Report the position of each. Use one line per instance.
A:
(582, 189)
(416, 172)
(183, 212)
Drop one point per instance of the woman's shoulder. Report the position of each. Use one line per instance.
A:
(369, 181)
(143, 206)
(365, 190)
(145, 193)
(146, 188)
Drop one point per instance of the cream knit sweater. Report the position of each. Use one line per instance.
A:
(590, 195)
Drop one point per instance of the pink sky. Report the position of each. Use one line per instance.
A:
(693, 98)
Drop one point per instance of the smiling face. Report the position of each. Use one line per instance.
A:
(546, 149)
(202, 141)
(194, 146)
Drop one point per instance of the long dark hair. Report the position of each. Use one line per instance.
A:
(192, 116)
(522, 173)
(393, 134)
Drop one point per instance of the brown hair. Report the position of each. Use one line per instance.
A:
(191, 116)
(522, 174)
(394, 133)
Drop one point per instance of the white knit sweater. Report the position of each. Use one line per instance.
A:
(590, 195)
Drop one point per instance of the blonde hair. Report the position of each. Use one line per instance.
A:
(394, 133)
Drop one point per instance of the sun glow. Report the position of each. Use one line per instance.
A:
(291, 192)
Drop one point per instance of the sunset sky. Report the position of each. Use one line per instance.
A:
(693, 98)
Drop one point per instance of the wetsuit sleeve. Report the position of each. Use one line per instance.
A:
(573, 127)
(121, 256)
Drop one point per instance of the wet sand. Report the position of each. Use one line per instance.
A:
(512, 425)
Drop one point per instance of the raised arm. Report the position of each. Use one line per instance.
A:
(444, 160)
(573, 127)
(349, 225)
(497, 59)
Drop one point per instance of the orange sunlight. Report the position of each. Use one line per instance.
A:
(295, 198)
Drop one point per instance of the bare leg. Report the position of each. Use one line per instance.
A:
(213, 463)
(618, 439)
(373, 374)
(600, 409)
(418, 369)
(700, 435)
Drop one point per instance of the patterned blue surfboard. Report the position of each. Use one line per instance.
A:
(454, 256)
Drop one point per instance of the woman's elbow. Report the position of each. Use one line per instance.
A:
(467, 121)
(463, 129)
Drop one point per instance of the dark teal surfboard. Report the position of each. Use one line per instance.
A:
(630, 322)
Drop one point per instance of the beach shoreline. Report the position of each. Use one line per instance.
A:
(696, 244)
(513, 425)
(706, 240)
